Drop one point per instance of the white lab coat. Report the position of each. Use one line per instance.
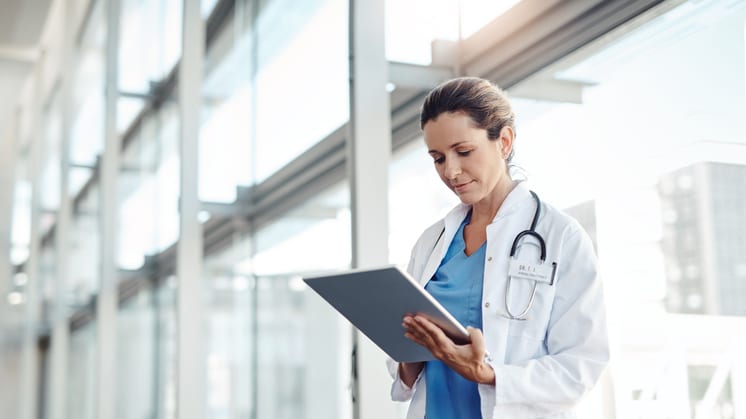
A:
(543, 365)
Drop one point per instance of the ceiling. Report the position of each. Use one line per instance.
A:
(21, 26)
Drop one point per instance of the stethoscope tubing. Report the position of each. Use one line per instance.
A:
(531, 232)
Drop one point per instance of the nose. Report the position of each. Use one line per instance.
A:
(451, 169)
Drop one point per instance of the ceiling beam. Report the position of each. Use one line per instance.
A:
(418, 76)
(18, 53)
(549, 90)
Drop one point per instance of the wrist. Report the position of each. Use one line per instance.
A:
(409, 371)
(486, 374)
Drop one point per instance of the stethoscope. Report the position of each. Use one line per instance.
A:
(517, 242)
(542, 258)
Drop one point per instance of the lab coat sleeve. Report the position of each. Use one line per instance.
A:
(400, 392)
(576, 342)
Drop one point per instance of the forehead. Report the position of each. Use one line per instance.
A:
(450, 128)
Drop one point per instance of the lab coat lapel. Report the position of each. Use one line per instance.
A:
(500, 234)
(451, 222)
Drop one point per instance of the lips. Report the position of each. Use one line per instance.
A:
(458, 188)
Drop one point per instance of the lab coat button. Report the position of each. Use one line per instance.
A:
(489, 259)
(487, 304)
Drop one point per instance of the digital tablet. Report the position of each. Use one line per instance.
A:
(376, 300)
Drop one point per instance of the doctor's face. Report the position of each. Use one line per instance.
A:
(468, 162)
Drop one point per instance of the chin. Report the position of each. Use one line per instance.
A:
(467, 199)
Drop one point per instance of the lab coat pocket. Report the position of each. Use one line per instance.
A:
(527, 336)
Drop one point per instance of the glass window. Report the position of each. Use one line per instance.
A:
(417, 199)
(413, 25)
(312, 36)
(301, 364)
(636, 139)
(136, 357)
(150, 42)
(149, 48)
(207, 7)
(639, 138)
(87, 130)
(50, 169)
(477, 13)
(21, 228)
(225, 142)
(81, 376)
(315, 236)
(149, 187)
(86, 146)
(165, 341)
(230, 343)
(312, 238)
(47, 281)
(84, 250)
(268, 353)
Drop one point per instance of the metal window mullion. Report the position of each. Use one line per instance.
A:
(8, 157)
(29, 379)
(106, 304)
(191, 363)
(59, 345)
(369, 153)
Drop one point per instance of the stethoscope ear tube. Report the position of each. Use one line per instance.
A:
(533, 234)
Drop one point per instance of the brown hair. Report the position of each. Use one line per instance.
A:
(486, 104)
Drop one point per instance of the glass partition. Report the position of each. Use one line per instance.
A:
(164, 387)
(81, 376)
(136, 357)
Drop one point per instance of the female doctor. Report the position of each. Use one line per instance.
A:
(536, 319)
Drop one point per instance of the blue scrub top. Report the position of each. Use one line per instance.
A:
(457, 285)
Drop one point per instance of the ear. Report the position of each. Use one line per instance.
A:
(507, 135)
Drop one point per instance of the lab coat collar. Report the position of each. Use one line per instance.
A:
(515, 199)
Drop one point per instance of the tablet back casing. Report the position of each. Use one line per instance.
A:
(376, 300)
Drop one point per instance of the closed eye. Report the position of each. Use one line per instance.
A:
(464, 153)
(439, 160)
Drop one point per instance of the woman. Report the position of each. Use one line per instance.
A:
(513, 367)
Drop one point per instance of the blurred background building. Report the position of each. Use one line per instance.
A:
(704, 230)
(171, 169)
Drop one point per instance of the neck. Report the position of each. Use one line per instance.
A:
(484, 211)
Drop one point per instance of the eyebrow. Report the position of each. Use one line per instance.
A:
(454, 145)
